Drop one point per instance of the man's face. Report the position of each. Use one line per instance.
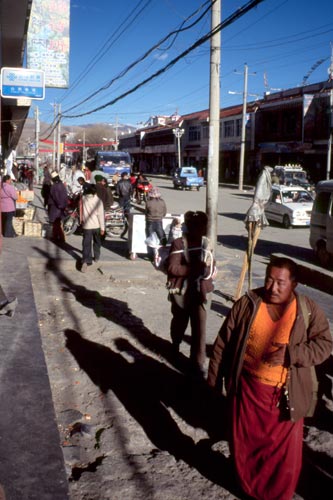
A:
(279, 286)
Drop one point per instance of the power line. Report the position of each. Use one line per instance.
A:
(232, 18)
(174, 34)
(107, 45)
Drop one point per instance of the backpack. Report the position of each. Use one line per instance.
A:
(162, 254)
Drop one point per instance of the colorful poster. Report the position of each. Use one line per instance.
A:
(48, 41)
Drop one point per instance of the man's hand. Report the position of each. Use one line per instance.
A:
(276, 357)
(102, 232)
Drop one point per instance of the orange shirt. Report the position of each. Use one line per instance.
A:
(263, 332)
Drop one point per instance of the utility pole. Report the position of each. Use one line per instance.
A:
(58, 137)
(37, 125)
(116, 127)
(214, 126)
(243, 133)
(84, 152)
(243, 129)
(330, 120)
(54, 136)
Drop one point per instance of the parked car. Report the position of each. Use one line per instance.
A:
(187, 178)
(290, 206)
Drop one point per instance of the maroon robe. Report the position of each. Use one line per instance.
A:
(267, 450)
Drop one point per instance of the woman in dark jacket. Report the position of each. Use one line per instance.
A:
(46, 187)
(57, 203)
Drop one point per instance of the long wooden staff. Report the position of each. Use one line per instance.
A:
(253, 235)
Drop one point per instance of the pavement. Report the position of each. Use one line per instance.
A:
(31, 460)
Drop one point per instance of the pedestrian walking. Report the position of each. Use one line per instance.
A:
(84, 186)
(191, 270)
(93, 223)
(8, 197)
(104, 192)
(264, 358)
(75, 186)
(155, 211)
(57, 203)
(46, 185)
(124, 190)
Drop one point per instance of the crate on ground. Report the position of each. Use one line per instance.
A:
(27, 194)
(29, 213)
(21, 205)
(18, 225)
(33, 229)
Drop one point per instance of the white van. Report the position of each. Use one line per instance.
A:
(321, 224)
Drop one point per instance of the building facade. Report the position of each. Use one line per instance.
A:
(291, 126)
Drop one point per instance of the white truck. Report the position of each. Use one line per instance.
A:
(293, 175)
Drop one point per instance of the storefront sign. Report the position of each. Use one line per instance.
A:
(22, 83)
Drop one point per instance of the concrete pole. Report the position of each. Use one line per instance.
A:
(116, 146)
(58, 137)
(54, 138)
(243, 134)
(37, 144)
(330, 121)
(84, 152)
(214, 126)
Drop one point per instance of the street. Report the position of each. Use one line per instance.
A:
(232, 235)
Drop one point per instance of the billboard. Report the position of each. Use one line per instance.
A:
(48, 41)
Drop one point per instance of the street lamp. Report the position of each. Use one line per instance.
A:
(178, 132)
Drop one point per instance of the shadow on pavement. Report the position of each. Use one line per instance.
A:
(265, 247)
(146, 387)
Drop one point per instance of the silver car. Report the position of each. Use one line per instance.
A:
(290, 206)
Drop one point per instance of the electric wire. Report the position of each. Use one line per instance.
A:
(232, 18)
(174, 34)
(107, 45)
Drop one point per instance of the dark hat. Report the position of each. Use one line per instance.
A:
(90, 189)
(99, 178)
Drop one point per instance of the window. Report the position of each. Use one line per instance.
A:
(194, 133)
(205, 131)
(322, 202)
(238, 127)
(228, 128)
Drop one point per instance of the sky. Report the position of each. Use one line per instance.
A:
(120, 44)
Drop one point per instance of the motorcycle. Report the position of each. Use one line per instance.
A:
(115, 221)
(71, 222)
(142, 191)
